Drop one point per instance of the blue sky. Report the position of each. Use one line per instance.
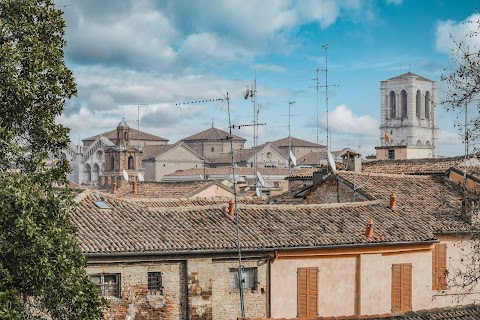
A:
(161, 53)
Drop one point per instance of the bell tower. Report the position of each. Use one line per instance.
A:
(408, 127)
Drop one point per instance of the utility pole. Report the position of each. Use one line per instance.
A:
(325, 46)
(289, 139)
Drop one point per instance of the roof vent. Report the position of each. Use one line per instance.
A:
(393, 201)
(369, 229)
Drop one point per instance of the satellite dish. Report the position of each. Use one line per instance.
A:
(125, 175)
(260, 178)
(140, 177)
(331, 161)
(246, 92)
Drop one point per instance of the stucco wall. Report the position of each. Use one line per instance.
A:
(336, 281)
(214, 191)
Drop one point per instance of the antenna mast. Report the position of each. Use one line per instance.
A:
(325, 46)
(289, 139)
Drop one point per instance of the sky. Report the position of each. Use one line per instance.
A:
(147, 60)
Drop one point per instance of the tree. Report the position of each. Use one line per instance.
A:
(42, 269)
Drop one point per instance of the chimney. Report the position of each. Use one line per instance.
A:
(114, 187)
(231, 208)
(134, 186)
(369, 229)
(393, 200)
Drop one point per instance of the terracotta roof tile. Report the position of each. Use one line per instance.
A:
(432, 199)
(127, 227)
(238, 171)
(149, 189)
(412, 166)
(134, 135)
(212, 134)
(296, 143)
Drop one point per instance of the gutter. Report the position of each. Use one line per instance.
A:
(256, 250)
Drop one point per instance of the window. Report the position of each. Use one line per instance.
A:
(112, 163)
(403, 99)
(307, 292)
(402, 287)
(213, 149)
(101, 204)
(391, 154)
(155, 282)
(108, 285)
(130, 163)
(393, 107)
(427, 105)
(439, 267)
(249, 278)
(418, 103)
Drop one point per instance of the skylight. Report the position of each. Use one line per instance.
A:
(102, 204)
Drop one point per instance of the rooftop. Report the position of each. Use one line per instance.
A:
(212, 134)
(295, 142)
(412, 166)
(410, 74)
(134, 135)
(127, 227)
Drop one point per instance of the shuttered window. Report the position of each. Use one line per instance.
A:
(401, 287)
(439, 267)
(307, 292)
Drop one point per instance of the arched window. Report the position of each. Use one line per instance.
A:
(427, 143)
(130, 163)
(419, 143)
(393, 107)
(418, 103)
(403, 99)
(112, 163)
(88, 173)
(427, 105)
(213, 149)
(125, 136)
(95, 172)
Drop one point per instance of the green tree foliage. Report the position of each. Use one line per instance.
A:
(42, 269)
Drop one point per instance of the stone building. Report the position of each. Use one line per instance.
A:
(409, 119)
(213, 142)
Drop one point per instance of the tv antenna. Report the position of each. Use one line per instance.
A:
(138, 124)
(251, 92)
(291, 157)
(325, 46)
(234, 180)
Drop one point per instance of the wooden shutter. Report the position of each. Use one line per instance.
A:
(439, 267)
(307, 292)
(401, 287)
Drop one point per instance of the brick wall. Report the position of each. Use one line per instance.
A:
(135, 298)
(196, 289)
(328, 192)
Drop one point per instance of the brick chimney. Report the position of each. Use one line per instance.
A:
(231, 207)
(393, 201)
(134, 186)
(369, 229)
(114, 187)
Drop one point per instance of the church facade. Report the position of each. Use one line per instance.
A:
(408, 118)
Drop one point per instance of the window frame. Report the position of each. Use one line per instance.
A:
(155, 282)
(104, 288)
(252, 280)
(391, 154)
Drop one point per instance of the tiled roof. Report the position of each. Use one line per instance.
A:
(410, 74)
(126, 227)
(313, 158)
(134, 135)
(289, 196)
(434, 200)
(468, 312)
(151, 152)
(303, 174)
(192, 202)
(165, 189)
(212, 134)
(243, 155)
(228, 171)
(412, 166)
(295, 143)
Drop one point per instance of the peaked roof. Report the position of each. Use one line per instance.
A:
(151, 152)
(134, 135)
(410, 74)
(212, 134)
(295, 143)
(244, 155)
(126, 227)
(177, 190)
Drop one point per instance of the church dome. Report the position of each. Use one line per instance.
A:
(122, 124)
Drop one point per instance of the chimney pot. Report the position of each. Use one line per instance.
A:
(369, 229)
(231, 207)
(114, 187)
(134, 186)
(393, 200)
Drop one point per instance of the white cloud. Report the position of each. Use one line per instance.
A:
(449, 30)
(395, 2)
(342, 120)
